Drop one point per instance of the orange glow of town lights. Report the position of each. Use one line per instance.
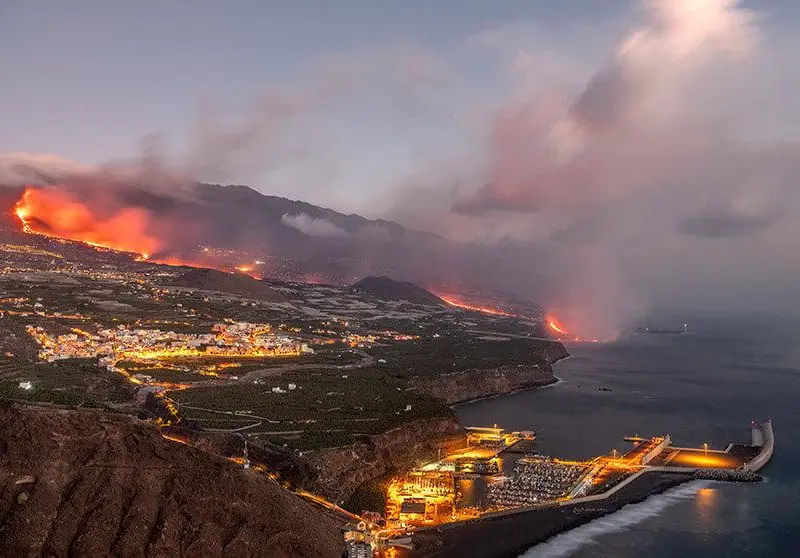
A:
(177, 439)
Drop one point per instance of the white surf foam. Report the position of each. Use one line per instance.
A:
(570, 541)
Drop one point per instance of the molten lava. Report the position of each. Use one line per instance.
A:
(452, 301)
(563, 335)
(553, 324)
(56, 213)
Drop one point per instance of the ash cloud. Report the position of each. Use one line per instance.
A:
(287, 138)
(727, 224)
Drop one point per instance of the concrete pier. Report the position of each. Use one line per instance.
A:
(768, 446)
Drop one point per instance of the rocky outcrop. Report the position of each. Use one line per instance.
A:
(88, 483)
(340, 471)
(469, 385)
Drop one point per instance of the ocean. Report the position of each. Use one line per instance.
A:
(704, 387)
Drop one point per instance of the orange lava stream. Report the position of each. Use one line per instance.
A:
(563, 335)
(56, 214)
(553, 324)
(485, 309)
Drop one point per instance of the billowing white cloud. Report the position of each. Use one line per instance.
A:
(312, 226)
(617, 181)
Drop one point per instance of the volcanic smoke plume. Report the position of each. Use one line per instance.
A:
(640, 182)
(638, 187)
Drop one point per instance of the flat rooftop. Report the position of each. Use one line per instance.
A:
(485, 430)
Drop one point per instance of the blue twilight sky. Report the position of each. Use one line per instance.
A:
(88, 79)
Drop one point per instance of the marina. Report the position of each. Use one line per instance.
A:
(438, 510)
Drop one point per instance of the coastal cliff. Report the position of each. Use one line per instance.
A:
(340, 471)
(469, 385)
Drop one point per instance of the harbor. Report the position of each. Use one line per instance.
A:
(464, 503)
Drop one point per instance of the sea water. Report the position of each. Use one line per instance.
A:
(704, 387)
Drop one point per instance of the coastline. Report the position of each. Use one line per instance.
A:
(553, 381)
(513, 533)
(346, 470)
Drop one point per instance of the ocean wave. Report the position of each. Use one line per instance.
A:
(568, 542)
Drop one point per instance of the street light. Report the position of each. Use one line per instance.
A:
(705, 447)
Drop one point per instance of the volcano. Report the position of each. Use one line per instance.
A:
(230, 228)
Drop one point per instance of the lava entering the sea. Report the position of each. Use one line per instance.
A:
(553, 324)
(561, 333)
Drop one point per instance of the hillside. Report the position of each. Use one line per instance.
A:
(91, 484)
(384, 288)
(297, 241)
(233, 283)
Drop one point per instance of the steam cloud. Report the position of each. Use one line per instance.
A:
(656, 180)
(312, 226)
(615, 185)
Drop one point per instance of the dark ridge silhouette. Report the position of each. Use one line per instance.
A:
(231, 283)
(385, 288)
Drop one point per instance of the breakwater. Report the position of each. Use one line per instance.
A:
(508, 535)
(511, 532)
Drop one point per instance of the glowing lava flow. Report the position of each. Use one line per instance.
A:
(55, 213)
(553, 324)
(484, 309)
(563, 335)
